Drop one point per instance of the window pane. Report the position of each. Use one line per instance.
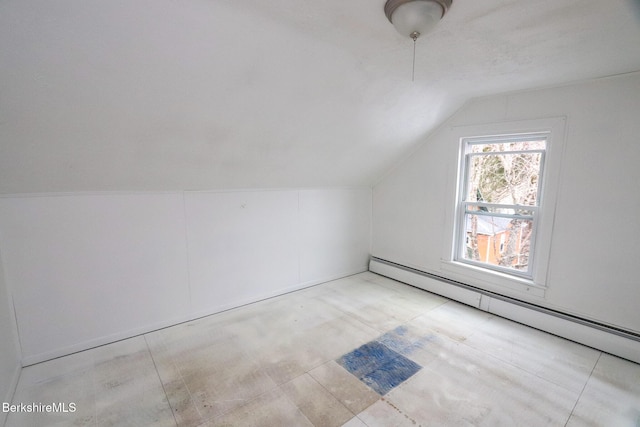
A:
(533, 144)
(508, 179)
(498, 241)
(500, 210)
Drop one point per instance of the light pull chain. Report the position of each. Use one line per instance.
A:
(414, 36)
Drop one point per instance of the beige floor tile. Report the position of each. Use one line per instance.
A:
(205, 376)
(611, 396)
(390, 308)
(218, 360)
(72, 364)
(207, 381)
(128, 372)
(336, 337)
(463, 386)
(383, 414)
(552, 358)
(354, 422)
(361, 292)
(417, 303)
(183, 404)
(382, 315)
(420, 345)
(270, 409)
(296, 354)
(149, 410)
(342, 302)
(316, 403)
(72, 387)
(456, 321)
(115, 384)
(346, 282)
(221, 395)
(273, 363)
(381, 280)
(128, 389)
(296, 313)
(290, 360)
(348, 389)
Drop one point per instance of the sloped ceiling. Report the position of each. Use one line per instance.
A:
(223, 94)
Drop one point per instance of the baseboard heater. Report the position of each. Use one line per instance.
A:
(625, 344)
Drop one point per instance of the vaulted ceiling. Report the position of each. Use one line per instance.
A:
(222, 94)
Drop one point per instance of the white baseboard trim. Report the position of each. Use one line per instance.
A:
(582, 331)
(100, 341)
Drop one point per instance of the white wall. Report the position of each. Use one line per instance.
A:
(9, 350)
(86, 269)
(593, 258)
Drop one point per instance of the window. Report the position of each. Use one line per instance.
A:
(500, 198)
(522, 222)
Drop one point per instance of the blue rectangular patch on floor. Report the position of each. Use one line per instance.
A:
(378, 366)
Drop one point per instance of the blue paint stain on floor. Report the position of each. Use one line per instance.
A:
(378, 366)
(404, 343)
(397, 340)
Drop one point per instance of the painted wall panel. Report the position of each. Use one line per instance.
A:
(242, 246)
(592, 268)
(334, 232)
(594, 256)
(9, 349)
(87, 269)
(407, 224)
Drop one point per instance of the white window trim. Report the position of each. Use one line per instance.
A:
(492, 280)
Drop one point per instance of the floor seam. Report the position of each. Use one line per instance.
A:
(520, 368)
(583, 389)
(336, 397)
(352, 316)
(276, 388)
(164, 390)
(290, 400)
(95, 394)
(331, 394)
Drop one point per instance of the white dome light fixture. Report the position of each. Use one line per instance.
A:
(413, 18)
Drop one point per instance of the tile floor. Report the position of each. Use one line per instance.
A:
(289, 361)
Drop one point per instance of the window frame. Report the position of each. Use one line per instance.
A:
(493, 280)
(462, 208)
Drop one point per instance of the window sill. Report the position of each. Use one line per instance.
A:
(492, 281)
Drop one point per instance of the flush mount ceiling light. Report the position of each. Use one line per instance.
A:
(413, 18)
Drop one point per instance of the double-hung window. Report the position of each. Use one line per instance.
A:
(500, 197)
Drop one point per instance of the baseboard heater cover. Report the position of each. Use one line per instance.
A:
(615, 341)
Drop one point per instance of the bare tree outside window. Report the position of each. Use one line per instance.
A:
(501, 197)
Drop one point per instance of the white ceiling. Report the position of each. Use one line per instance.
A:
(221, 94)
